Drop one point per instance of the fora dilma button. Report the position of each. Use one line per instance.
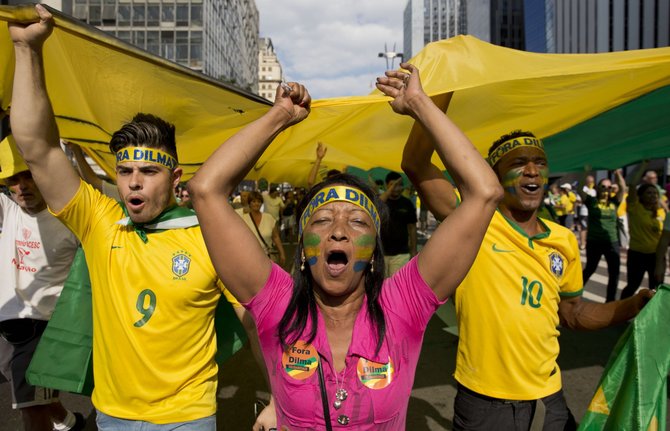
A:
(343, 419)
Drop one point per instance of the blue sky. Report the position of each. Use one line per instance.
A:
(332, 47)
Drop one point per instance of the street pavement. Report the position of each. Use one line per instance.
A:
(582, 360)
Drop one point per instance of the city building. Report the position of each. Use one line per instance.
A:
(501, 22)
(426, 21)
(216, 37)
(590, 26)
(539, 30)
(270, 73)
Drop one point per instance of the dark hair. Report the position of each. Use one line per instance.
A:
(146, 130)
(332, 172)
(643, 188)
(392, 176)
(255, 195)
(302, 305)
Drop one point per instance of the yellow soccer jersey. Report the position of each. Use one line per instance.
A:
(507, 310)
(645, 229)
(153, 314)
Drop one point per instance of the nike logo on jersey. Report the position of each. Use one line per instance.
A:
(500, 250)
(116, 246)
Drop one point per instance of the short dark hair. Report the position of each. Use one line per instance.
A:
(392, 176)
(255, 195)
(302, 305)
(146, 130)
(332, 173)
(643, 188)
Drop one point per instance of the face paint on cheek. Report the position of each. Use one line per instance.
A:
(312, 250)
(511, 180)
(544, 174)
(365, 247)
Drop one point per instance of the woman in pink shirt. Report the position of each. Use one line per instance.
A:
(340, 342)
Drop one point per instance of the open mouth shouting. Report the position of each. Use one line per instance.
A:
(336, 262)
(532, 188)
(135, 203)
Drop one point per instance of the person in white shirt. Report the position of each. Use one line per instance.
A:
(36, 252)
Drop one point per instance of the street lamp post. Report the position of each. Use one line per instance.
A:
(390, 56)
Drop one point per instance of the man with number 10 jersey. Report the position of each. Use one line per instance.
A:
(525, 280)
(524, 277)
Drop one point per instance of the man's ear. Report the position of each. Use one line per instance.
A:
(176, 176)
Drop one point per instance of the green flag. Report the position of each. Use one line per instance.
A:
(632, 393)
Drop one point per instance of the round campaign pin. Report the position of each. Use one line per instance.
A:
(300, 360)
(375, 375)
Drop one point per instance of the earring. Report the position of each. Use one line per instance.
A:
(302, 263)
(372, 266)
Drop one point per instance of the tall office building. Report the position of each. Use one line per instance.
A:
(539, 18)
(270, 73)
(426, 21)
(507, 23)
(216, 37)
(588, 26)
(501, 22)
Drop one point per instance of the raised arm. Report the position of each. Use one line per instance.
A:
(434, 190)
(633, 179)
(32, 118)
(237, 255)
(85, 170)
(321, 150)
(458, 238)
(621, 182)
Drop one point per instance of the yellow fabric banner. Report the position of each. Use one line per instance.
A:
(97, 82)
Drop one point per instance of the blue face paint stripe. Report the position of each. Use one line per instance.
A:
(360, 265)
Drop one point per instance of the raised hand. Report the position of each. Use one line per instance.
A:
(404, 87)
(321, 150)
(295, 102)
(32, 33)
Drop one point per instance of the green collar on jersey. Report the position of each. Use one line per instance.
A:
(516, 227)
(175, 217)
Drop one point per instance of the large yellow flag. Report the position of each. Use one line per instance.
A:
(604, 110)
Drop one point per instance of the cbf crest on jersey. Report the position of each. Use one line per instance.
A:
(556, 264)
(181, 263)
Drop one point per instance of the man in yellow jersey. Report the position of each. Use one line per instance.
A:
(526, 279)
(154, 288)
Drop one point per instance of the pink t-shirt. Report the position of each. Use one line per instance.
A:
(378, 385)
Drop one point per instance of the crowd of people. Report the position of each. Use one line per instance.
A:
(613, 216)
(338, 330)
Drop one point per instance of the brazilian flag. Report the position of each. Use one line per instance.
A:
(632, 393)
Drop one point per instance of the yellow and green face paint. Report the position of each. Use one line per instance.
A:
(365, 247)
(311, 243)
(512, 178)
